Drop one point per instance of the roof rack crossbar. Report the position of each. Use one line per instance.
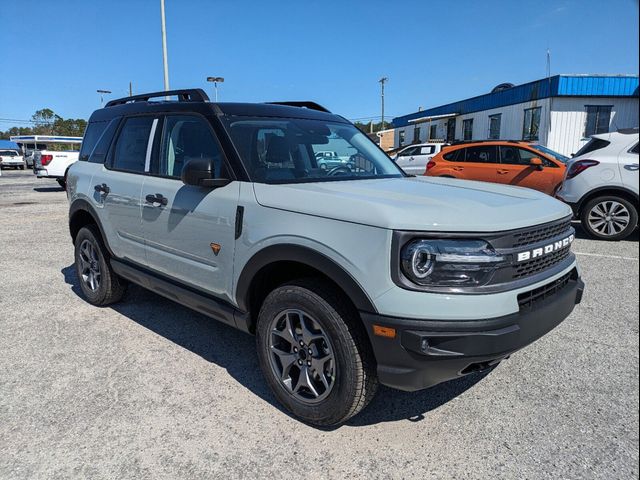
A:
(186, 95)
(306, 104)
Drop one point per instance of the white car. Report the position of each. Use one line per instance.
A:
(11, 158)
(601, 185)
(414, 158)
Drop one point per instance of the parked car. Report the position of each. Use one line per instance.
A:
(48, 163)
(11, 158)
(601, 185)
(414, 158)
(347, 278)
(330, 159)
(508, 162)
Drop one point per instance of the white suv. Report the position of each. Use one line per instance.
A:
(414, 158)
(601, 185)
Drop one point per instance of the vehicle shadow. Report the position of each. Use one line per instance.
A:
(48, 189)
(234, 351)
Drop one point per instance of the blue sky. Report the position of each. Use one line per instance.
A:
(332, 52)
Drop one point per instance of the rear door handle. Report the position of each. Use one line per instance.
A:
(458, 169)
(103, 188)
(503, 172)
(156, 199)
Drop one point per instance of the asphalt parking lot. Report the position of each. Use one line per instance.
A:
(150, 389)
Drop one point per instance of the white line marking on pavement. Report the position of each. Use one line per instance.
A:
(605, 256)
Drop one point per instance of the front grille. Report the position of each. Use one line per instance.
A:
(536, 265)
(528, 237)
(529, 299)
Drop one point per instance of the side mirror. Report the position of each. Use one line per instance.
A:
(537, 163)
(200, 172)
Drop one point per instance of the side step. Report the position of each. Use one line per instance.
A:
(199, 302)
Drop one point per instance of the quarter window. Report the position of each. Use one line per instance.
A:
(90, 138)
(185, 138)
(494, 126)
(598, 119)
(635, 149)
(531, 127)
(467, 129)
(131, 147)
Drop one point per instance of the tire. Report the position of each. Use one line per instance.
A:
(62, 182)
(598, 222)
(350, 364)
(92, 257)
(22, 167)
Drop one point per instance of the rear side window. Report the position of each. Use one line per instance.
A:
(455, 156)
(635, 149)
(481, 154)
(593, 145)
(91, 136)
(131, 146)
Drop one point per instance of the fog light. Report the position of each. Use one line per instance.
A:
(424, 345)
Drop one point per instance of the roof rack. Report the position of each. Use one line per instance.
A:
(309, 105)
(461, 142)
(186, 95)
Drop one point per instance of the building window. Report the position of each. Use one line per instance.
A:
(400, 138)
(433, 132)
(531, 126)
(467, 129)
(494, 126)
(451, 129)
(416, 135)
(598, 119)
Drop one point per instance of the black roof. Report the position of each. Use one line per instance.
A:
(196, 100)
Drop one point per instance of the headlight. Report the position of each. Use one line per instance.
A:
(449, 263)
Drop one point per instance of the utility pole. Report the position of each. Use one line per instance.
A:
(130, 90)
(382, 81)
(165, 62)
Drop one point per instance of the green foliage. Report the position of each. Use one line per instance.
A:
(366, 127)
(47, 122)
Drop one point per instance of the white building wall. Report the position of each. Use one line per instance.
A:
(569, 117)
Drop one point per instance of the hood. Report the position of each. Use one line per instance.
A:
(417, 203)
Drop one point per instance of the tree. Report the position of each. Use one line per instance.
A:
(44, 120)
(47, 122)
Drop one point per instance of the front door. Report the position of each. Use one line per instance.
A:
(189, 231)
(515, 169)
(477, 163)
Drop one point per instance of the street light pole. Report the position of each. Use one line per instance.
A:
(102, 93)
(215, 81)
(165, 62)
(382, 82)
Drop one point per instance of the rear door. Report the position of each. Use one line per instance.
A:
(189, 231)
(629, 167)
(116, 188)
(515, 169)
(477, 163)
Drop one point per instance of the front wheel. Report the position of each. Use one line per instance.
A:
(314, 354)
(609, 218)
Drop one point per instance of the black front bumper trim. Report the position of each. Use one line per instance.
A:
(427, 352)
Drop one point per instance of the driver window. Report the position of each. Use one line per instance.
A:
(186, 137)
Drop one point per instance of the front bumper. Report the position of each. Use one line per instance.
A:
(424, 353)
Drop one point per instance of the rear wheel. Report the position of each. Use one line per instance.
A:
(99, 283)
(62, 182)
(314, 353)
(609, 217)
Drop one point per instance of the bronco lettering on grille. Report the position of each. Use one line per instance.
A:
(552, 247)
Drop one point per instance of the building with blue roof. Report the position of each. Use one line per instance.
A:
(560, 112)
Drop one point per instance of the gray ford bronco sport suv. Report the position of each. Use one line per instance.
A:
(347, 276)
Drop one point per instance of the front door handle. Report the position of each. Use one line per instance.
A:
(503, 172)
(103, 188)
(458, 169)
(156, 199)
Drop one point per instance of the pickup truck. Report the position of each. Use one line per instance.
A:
(48, 163)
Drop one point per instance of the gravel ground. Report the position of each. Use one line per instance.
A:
(150, 389)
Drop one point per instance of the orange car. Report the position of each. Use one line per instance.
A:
(510, 162)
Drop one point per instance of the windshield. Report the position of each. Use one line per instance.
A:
(293, 150)
(548, 151)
